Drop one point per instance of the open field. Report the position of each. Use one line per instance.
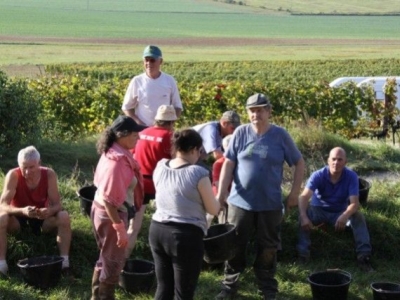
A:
(338, 6)
(42, 32)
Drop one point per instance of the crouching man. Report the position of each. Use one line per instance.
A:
(30, 198)
(334, 200)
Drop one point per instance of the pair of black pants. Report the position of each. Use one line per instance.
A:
(265, 225)
(177, 250)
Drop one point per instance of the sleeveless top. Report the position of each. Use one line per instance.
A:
(24, 196)
(177, 195)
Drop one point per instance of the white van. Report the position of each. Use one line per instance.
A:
(341, 80)
(378, 84)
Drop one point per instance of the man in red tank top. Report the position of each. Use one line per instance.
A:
(30, 198)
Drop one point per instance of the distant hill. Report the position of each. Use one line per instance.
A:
(329, 7)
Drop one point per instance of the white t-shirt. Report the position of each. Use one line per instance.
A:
(146, 95)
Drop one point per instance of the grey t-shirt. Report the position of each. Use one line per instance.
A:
(177, 196)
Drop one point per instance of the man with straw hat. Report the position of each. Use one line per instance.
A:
(154, 144)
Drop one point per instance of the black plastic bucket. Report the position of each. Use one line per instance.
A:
(363, 191)
(330, 285)
(220, 243)
(137, 276)
(42, 272)
(86, 197)
(385, 290)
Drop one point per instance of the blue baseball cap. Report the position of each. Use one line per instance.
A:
(152, 51)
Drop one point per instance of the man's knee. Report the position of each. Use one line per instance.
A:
(4, 219)
(63, 219)
(8, 222)
(266, 259)
(357, 218)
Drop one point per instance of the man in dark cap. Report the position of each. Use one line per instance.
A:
(254, 160)
(151, 89)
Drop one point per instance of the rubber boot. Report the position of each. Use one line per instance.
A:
(106, 291)
(95, 285)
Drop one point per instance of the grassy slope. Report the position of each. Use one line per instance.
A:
(329, 250)
(339, 6)
(157, 22)
(198, 22)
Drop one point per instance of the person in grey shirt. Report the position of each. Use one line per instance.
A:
(254, 161)
(183, 195)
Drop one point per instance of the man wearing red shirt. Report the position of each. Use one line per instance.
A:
(154, 144)
(30, 198)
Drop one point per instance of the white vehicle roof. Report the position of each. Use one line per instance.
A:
(338, 81)
(378, 84)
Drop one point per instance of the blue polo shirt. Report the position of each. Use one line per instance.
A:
(333, 197)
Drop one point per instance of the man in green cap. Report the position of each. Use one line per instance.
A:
(151, 89)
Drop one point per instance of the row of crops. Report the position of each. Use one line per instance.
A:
(80, 99)
(274, 71)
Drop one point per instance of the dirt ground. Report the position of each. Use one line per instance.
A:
(198, 41)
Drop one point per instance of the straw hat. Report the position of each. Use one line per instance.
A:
(166, 113)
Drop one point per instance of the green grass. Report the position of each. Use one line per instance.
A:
(74, 164)
(338, 6)
(159, 22)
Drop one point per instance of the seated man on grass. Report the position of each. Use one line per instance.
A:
(334, 200)
(30, 198)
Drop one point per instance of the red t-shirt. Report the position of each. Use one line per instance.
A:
(216, 172)
(24, 196)
(154, 144)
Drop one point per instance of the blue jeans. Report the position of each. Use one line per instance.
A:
(318, 215)
(265, 225)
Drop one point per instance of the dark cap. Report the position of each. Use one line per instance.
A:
(125, 123)
(257, 100)
(232, 117)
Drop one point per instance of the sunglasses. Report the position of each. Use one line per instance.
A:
(150, 59)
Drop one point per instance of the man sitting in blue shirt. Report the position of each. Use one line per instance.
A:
(334, 190)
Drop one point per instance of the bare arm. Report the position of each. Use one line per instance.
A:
(53, 195)
(131, 113)
(112, 212)
(9, 190)
(304, 199)
(344, 217)
(210, 203)
(217, 154)
(225, 180)
(298, 176)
